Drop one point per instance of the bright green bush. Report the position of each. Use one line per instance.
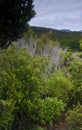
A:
(59, 86)
(24, 99)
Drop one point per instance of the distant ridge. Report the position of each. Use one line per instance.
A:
(45, 29)
(59, 30)
(65, 30)
(80, 30)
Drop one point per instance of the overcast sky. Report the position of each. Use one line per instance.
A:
(58, 14)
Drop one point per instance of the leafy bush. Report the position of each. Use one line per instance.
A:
(24, 99)
(74, 118)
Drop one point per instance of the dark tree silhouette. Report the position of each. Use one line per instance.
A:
(14, 17)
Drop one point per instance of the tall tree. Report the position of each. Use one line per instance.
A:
(14, 16)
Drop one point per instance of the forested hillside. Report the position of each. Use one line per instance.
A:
(65, 38)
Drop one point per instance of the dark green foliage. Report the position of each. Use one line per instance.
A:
(14, 15)
(71, 44)
(65, 39)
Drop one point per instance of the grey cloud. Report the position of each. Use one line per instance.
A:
(58, 14)
(57, 5)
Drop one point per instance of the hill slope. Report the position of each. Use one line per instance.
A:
(65, 38)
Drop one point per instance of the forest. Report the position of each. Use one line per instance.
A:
(40, 73)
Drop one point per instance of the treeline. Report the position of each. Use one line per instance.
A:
(66, 39)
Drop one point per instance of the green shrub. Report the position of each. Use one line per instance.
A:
(74, 118)
(24, 99)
